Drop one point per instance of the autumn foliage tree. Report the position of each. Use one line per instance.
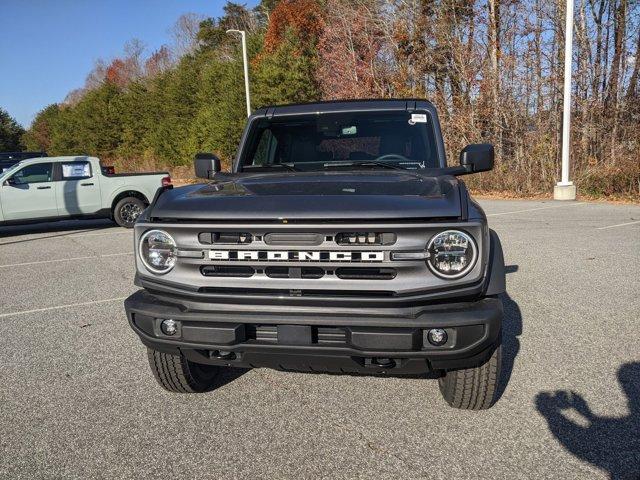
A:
(493, 68)
(349, 46)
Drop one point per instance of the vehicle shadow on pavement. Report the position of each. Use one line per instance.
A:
(227, 375)
(609, 443)
(65, 229)
(511, 330)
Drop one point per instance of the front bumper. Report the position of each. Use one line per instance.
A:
(315, 339)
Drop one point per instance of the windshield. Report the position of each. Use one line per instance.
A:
(362, 139)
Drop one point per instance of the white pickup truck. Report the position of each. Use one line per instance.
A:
(57, 188)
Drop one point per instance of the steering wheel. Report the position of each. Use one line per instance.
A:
(390, 156)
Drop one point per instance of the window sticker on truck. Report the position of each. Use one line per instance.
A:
(418, 118)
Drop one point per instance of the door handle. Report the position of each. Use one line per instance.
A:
(44, 188)
(86, 184)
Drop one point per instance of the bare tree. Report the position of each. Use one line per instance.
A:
(185, 33)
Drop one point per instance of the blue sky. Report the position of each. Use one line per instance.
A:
(47, 47)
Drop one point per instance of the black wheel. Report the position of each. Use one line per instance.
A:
(473, 388)
(177, 374)
(127, 211)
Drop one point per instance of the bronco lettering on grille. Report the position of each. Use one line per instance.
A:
(295, 256)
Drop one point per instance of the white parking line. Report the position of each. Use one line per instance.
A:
(618, 225)
(73, 259)
(58, 307)
(120, 232)
(534, 209)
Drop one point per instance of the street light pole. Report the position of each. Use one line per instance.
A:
(246, 66)
(565, 189)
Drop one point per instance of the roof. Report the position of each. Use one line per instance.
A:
(337, 106)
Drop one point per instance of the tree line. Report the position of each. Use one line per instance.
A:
(494, 69)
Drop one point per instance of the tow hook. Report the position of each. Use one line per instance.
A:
(222, 355)
(379, 362)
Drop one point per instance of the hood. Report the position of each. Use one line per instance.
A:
(315, 195)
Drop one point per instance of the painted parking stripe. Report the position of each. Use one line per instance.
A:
(535, 209)
(618, 225)
(73, 259)
(97, 234)
(59, 307)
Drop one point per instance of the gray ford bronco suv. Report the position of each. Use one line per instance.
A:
(340, 242)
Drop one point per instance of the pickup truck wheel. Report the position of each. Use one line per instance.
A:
(177, 374)
(472, 388)
(127, 211)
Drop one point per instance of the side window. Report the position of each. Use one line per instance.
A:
(76, 170)
(36, 173)
(265, 149)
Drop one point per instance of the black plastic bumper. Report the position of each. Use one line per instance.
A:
(314, 339)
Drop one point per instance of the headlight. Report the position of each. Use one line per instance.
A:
(452, 254)
(158, 251)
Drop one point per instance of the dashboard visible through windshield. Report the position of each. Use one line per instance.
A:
(398, 140)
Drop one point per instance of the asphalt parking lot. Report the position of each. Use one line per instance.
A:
(78, 399)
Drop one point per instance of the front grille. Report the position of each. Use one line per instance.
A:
(283, 262)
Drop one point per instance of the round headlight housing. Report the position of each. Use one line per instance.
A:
(158, 251)
(452, 254)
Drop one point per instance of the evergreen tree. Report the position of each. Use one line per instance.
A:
(38, 137)
(287, 75)
(10, 133)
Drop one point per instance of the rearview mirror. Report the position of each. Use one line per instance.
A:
(206, 165)
(477, 157)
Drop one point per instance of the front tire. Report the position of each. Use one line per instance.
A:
(127, 211)
(177, 374)
(473, 388)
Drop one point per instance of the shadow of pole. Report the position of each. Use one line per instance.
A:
(609, 443)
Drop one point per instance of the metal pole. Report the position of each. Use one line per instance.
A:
(566, 111)
(246, 67)
(565, 189)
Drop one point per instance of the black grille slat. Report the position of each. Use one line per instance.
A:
(349, 273)
(331, 335)
(277, 272)
(227, 271)
(295, 272)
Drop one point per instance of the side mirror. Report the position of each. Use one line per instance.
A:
(10, 181)
(206, 165)
(477, 157)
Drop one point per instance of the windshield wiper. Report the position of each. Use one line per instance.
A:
(287, 166)
(359, 163)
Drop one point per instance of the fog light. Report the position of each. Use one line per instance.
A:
(437, 336)
(169, 327)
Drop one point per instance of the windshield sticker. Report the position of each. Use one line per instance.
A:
(349, 130)
(418, 118)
